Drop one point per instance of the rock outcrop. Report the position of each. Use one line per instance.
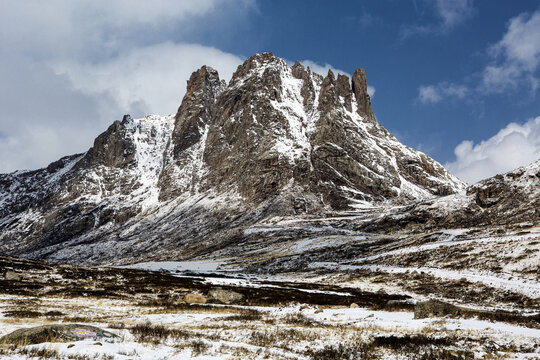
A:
(57, 333)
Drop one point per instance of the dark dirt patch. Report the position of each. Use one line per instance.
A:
(160, 289)
(435, 308)
(462, 291)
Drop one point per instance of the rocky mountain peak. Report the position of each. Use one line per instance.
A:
(256, 65)
(328, 97)
(283, 126)
(112, 148)
(205, 80)
(298, 70)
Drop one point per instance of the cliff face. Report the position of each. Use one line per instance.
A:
(278, 129)
(277, 140)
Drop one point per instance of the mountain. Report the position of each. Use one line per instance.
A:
(503, 202)
(276, 141)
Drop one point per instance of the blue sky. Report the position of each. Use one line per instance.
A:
(456, 79)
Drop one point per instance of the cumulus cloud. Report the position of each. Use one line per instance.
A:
(513, 63)
(516, 56)
(449, 14)
(431, 94)
(151, 79)
(62, 28)
(68, 69)
(513, 146)
(322, 69)
(43, 118)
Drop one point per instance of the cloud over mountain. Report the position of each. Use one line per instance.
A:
(69, 68)
(513, 146)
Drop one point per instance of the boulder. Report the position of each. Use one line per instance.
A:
(226, 296)
(56, 333)
(194, 298)
(12, 276)
(435, 308)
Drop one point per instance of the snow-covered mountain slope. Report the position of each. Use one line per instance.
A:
(504, 201)
(115, 180)
(278, 140)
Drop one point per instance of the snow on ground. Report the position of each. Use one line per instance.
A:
(367, 321)
(258, 284)
(199, 266)
(448, 238)
(386, 260)
(211, 266)
(509, 282)
(405, 321)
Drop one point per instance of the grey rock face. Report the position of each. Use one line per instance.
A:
(277, 140)
(112, 148)
(241, 149)
(197, 108)
(360, 90)
(436, 308)
(509, 198)
(225, 296)
(192, 120)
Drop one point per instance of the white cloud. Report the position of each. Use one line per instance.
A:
(371, 91)
(322, 69)
(516, 56)
(68, 69)
(62, 28)
(513, 146)
(515, 61)
(43, 118)
(521, 43)
(496, 79)
(431, 94)
(453, 12)
(449, 13)
(152, 78)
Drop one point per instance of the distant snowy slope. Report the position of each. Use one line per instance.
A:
(511, 200)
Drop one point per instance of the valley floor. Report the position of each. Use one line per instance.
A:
(160, 316)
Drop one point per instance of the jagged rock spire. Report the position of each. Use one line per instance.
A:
(360, 90)
(197, 108)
